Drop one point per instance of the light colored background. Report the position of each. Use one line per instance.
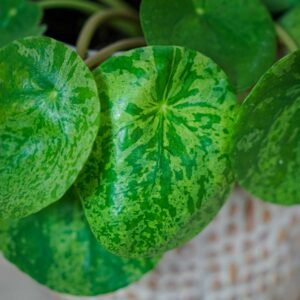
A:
(250, 251)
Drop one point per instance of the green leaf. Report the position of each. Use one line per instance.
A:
(277, 6)
(290, 22)
(18, 19)
(56, 247)
(238, 34)
(49, 118)
(159, 171)
(267, 143)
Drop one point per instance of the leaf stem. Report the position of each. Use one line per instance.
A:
(83, 6)
(116, 4)
(93, 61)
(95, 21)
(285, 38)
(89, 7)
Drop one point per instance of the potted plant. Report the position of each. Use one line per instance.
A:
(149, 140)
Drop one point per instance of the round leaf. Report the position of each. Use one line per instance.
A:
(291, 24)
(267, 145)
(57, 248)
(49, 117)
(238, 34)
(280, 5)
(18, 19)
(159, 171)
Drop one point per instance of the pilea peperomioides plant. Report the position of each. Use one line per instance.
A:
(151, 141)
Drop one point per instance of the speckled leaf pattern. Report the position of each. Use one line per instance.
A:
(280, 5)
(291, 24)
(57, 248)
(267, 150)
(49, 118)
(159, 171)
(19, 19)
(237, 34)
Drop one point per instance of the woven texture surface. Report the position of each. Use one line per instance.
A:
(250, 251)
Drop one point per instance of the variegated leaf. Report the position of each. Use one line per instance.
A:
(159, 171)
(49, 118)
(267, 142)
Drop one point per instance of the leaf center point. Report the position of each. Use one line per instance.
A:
(199, 11)
(164, 107)
(12, 12)
(53, 95)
